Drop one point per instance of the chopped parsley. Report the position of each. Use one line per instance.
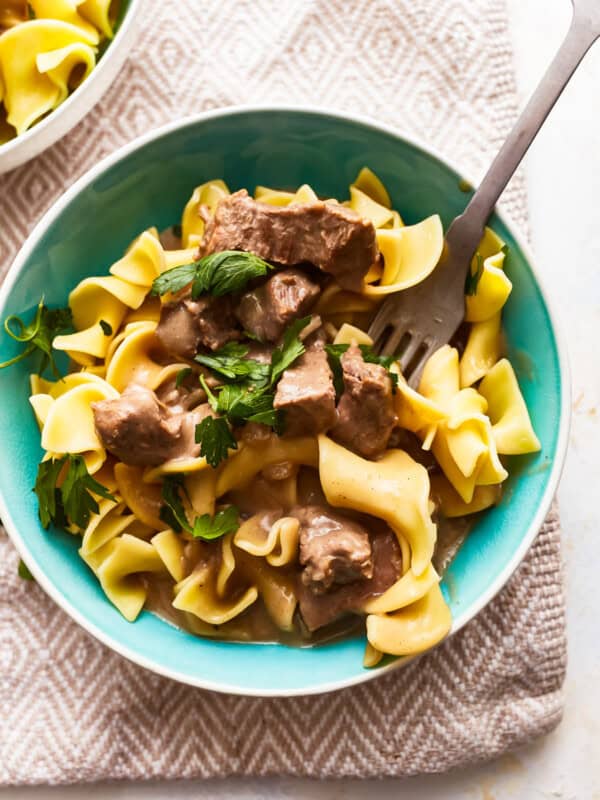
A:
(172, 511)
(216, 274)
(291, 349)
(23, 571)
(38, 335)
(182, 375)
(106, 327)
(473, 278)
(231, 364)
(205, 526)
(73, 501)
(215, 439)
(223, 522)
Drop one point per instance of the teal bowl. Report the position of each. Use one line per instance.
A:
(147, 183)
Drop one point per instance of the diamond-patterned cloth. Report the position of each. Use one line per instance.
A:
(71, 710)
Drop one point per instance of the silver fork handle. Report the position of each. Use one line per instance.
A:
(582, 33)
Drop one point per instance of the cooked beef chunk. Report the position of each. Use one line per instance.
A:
(268, 310)
(331, 237)
(318, 610)
(333, 549)
(306, 394)
(137, 428)
(140, 430)
(187, 325)
(365, 413)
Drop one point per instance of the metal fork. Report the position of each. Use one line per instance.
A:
(414, 323)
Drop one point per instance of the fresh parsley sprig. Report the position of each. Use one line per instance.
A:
(204, 527)
(291, 349)
(73, 501)
(230, 363)
(336, 351)
(38, 335)
(216, 274)
(215, 439)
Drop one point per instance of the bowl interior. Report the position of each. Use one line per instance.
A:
(91, 227)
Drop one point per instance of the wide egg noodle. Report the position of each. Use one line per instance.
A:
(29, 94)
(244, 465)
(278, 542)
(108, 523)
(511, 425)
(208, 196)
(65, 11)
(463, 444)
(395, 489)
(142, 263)
(204, 593)
(92, 302)
(98, 12)
(119, 566)
(69, 425)
(412, 629)
(410, 254)
(132, 361)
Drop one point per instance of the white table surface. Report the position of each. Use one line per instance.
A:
(563, 172)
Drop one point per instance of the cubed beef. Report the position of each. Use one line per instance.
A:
(365, 412)
(188, 325)
(306, 395)
(137, 428)
(334, 549)
(332, 237)
(318, 610)
(140, 430)
(268, 310)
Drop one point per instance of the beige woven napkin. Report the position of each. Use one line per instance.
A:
(71, 710)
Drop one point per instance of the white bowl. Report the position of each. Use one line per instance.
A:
(60, 121)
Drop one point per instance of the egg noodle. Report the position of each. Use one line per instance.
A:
(47, 48)
(467, 415)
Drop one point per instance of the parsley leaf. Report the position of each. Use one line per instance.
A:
(334, 353)
(473, 278)
(291, 349)
(215, 439)
(230, 363)
(223, 522)
(205, 527)
(216, 274)
(73, 501)
(172, 511)
(38, 335)
(23, 571)
(182, 375)
(106, 327)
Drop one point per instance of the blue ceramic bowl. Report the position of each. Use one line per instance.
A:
(147, 183)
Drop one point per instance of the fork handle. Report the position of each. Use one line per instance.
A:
(583, 31)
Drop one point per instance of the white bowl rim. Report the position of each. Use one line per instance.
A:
(565, 402)
(78, 104)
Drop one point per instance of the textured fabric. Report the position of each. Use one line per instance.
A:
(71, 710)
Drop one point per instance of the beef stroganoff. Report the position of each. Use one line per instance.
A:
(231, 450)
